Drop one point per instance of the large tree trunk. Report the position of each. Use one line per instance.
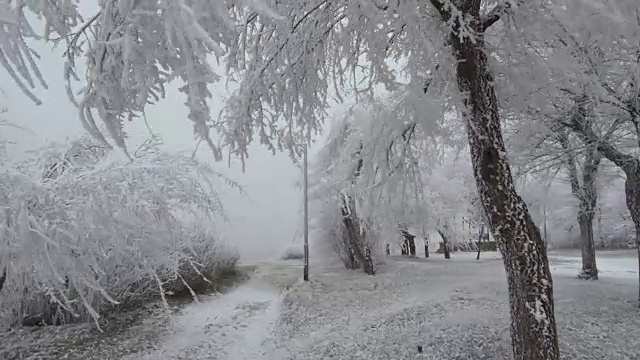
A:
(632, 193)
(412, 246)
(445, 244)
(545, 233)
(589, 269)
(588, 200)
(348, 256)
(355, 236)
(533, 325)
(3, 278)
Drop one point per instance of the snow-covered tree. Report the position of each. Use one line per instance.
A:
(589, 51)
(87, 232)
(120, 58)
(545, 148)
(613, 74)
(17, 58)
(373, 160)
(290, 66)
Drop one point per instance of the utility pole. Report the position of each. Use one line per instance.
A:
(306, 216)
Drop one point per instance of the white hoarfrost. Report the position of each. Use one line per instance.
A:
(451, 309)
(86, 232)
(537, 310)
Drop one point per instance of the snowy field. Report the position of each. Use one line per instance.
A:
(619, 265)
(453, 309)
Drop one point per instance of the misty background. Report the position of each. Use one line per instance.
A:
(261, 224)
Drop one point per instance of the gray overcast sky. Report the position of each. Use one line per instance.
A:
(260, 227)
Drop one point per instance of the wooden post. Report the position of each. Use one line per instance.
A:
(479, 241)
(305, 274)
(412, 245)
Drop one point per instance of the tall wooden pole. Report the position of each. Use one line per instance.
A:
(306, 217)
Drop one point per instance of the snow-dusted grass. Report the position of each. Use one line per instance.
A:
(234, 326)
(619, 265)
(454, 309)
(135, 332)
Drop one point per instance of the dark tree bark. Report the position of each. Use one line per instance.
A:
(587, 196)
(533, 325)
(479, 241)
(3, 278)
(445, 244)
(412, 246)
(544, 226)
(355, 236)
(349, 258)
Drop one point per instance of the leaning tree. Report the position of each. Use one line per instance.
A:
(370, 172)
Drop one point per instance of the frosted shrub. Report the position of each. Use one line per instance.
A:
(293, 252)
(98, 232)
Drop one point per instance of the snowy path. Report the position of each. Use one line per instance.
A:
(232, 326)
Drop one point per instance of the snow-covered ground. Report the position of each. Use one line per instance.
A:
(235, 326)
(618, 265)
(239, 325)
(453, 309)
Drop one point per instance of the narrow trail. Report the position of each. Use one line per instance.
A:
(233, 326)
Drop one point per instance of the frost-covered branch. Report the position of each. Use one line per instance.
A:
(16, 56)
(100, 231)
(131, 49)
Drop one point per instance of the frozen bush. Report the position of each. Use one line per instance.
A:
(293, 252)
(99, 231)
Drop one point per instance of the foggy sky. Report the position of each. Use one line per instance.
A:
(261, 226)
